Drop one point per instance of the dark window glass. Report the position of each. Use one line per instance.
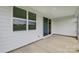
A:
(31, 16)
(32, 25)
(19, 13)
(32, 21)
(19, 25)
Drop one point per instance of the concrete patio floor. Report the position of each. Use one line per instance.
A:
(52, 44)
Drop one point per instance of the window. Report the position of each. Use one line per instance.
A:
(32, 25)
(19, 25)
(31, 16)
(19, 13)
(19, 20)
(31, 21)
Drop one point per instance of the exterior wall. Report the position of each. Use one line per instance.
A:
(10, 40)
(66, 26)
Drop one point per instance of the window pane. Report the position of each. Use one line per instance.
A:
(32, 25)
(32, 20)
(19, 13)
(19, 25)
(31, 16)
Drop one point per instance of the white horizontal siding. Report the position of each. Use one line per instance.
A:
(10, 40)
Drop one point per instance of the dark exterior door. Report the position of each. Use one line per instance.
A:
(45, 26)
(49, 26)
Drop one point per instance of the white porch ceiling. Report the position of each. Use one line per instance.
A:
(56, 11)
